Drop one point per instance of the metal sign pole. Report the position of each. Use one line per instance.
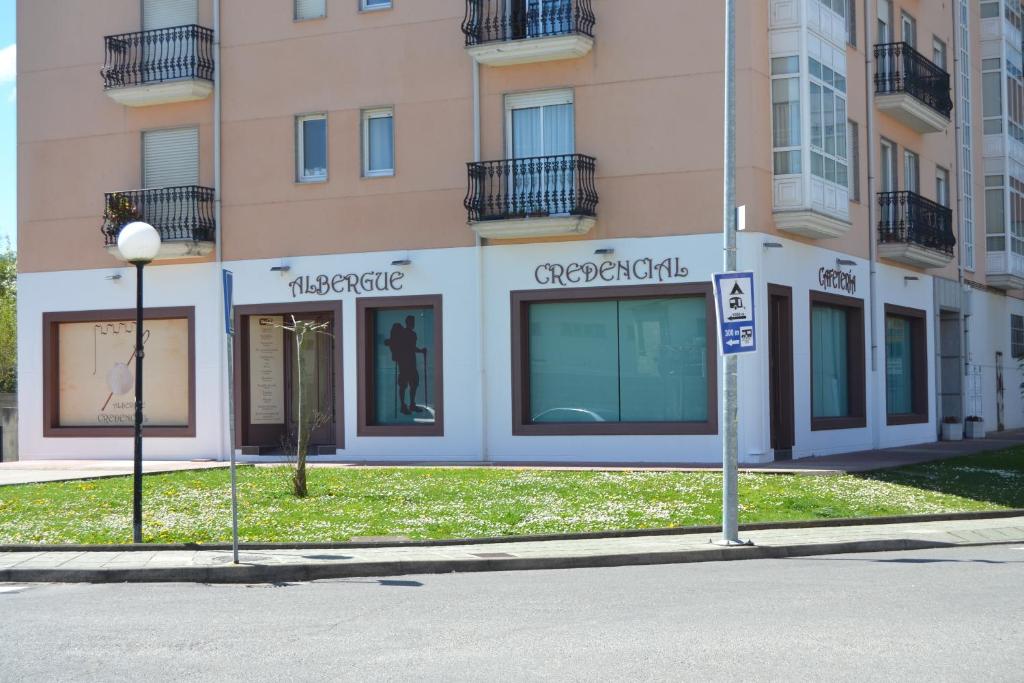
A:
(229, 329)
(730, 413)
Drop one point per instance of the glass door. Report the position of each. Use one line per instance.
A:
(542, 142)
(314, 364)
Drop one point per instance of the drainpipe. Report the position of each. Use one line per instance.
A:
(480, 326)
(218, 231)
(958, 163)
(869, 64)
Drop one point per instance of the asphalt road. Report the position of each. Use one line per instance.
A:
(925, 615)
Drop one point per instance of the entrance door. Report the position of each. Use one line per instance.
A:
(950, 368)
(1000, 424)
(780, 370)
(271, 367)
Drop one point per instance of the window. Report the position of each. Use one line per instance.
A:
(400, 373)
(939, 53)
(989, 9)
(1017, 335)
(1014, 94)
(906, 366)
(883, 31)
(89, 373)
(854, 160)
(310, 9)
(992, 96)
(911, 172)
(378, 142)
(837, 6)
(828, 124)
(367, 5)
(995, 213)
(851, 22)
(311, 148)
(942, 186)
(837, 362)
(908, 29)
(887, 166)
(614, 360)
(786, 114)
(966, 181)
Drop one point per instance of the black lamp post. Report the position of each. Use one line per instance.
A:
(138, 243)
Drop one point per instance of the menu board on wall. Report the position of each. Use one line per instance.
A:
(96, 367)
(266, 370)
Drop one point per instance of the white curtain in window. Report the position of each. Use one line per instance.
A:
(382, 143)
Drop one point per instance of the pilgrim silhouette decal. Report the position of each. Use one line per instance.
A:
(403, 366)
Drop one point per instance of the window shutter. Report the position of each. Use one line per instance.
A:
(167, 13)
(310, 9)
(170, 158)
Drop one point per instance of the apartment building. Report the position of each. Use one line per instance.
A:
(505, 215)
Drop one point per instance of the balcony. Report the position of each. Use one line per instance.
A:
(911, 89)
(914, 230)
(534, 197)
(1005, 270)
(182, 215)
(159, 67)
(506, 32)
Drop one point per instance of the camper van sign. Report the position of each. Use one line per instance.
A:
(734, 295)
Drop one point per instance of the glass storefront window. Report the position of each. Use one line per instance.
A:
(899, 379)
(830, 373)
(628, 360)
(404, 369)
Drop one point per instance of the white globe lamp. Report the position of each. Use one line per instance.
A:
(138, 242)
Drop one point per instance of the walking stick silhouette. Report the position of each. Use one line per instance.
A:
(426, 380)
(397, 390)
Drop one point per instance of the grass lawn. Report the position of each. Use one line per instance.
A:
(475, 502)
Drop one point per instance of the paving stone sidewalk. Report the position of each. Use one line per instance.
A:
(281, 565)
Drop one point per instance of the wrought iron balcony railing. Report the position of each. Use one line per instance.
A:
(533, 187)
(164, 54)
(490, 21)
(899, 68)
(178, 213)
(909, 218)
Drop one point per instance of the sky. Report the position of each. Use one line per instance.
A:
(8, 122)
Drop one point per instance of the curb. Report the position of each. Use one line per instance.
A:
(248, 573)
(597, 535)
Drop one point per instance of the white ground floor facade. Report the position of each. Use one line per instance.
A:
(539, 352)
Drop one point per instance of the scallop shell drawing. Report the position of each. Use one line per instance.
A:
(120, 379)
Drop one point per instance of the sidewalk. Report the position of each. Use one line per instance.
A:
(37, 471)
(280, 565)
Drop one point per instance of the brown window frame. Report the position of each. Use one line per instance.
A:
(855, 365)
(51, 372)
(919, 366)
(365, 308)
(241, 387)
(520, 303)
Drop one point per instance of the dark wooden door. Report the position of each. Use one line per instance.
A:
(780, 361)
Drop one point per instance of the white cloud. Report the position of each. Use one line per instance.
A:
(8, 64)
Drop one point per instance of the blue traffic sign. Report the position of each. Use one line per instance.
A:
(737, 328)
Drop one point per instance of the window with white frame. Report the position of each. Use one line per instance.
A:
(837, 6)
(989, 9)
(311, 148)
(378, 142)
(992, 95)
(851, 22)
(938, 53)
(310, 9)
(786, 114)
(942, 186)
(828, 124)
(911, 172)
(966, 185)
(854, 160)
(1014, 94)
(368, 5)
(1017, 335)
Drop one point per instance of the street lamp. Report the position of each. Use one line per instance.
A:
(138, 243)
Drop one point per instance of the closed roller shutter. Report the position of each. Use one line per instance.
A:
(310, 9)
(170, 157)
(167, 13)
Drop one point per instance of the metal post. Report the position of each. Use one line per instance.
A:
(231, 441)
(730, 498)
(139, 353)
